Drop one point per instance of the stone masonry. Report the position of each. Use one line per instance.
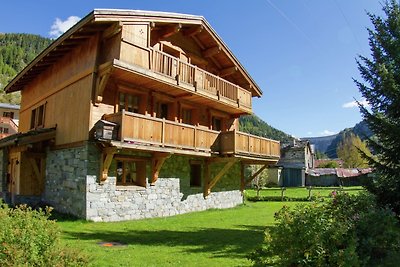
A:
(72, 187)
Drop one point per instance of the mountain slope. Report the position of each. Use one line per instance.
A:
(328, 144)
(254, 125)
(16, 51)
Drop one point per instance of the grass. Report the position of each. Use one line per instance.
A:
(209, 238)
(302, 192)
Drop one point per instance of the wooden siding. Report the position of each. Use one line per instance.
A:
(65, 89)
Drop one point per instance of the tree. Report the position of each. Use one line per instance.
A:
(329, 164)
(351, 150)
(381, 89)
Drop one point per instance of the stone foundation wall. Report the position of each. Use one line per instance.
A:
(65, 182)
(108, 202)
(72, 187)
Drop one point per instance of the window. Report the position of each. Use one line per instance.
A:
(131, 172)
(37, 117)
(3, 130)
(186, 116)
(216, 123)
(162, 111)
(8, 114)
(128, 102)
(195, 174)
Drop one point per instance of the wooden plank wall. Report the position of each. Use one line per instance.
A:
(66, 88)
(135, 39)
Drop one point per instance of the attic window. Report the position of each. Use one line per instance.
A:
(37, 117)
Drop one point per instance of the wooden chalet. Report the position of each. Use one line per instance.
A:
(124, 103)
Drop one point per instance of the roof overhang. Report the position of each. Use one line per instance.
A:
(31, 137)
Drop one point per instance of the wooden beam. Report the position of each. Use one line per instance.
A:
(102, 79)
(242, 178)
(206, 182)
(183, 95)
(106, 159)
(171, 30)
(35, 168)
(228, 71)
(209, 184)
(212, 51)
(157, 163)
(112, 30)
(193, 31)
(197, 59)
(251, 178)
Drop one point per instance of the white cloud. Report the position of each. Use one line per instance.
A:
(59, 26)
(353, 104)
(326, 133)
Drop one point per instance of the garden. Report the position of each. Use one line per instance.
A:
(333, 229)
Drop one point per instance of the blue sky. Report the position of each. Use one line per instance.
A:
(300, 52)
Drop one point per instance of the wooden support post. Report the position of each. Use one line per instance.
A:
(209, 184)
(206, 188)
(106, 159)
(283, 193)
(102, 79)
(156, 164)
(251, 178)
(35, 168)
(242, 178)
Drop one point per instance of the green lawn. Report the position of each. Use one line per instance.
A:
(302, 192)
(209, 238)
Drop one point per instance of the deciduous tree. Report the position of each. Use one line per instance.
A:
(351, 150)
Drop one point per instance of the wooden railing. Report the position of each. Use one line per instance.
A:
(141, 129)
(236, 142)
(164, 133)
(201, 80)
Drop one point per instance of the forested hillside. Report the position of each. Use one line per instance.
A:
(16, 51)
(254, 125)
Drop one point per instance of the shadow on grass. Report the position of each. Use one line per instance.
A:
(231, 243)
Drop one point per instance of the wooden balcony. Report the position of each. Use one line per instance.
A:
(203, 81)
(239, 143)
(153, 134)
(153, 67)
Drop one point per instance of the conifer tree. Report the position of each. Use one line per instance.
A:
(381, 89)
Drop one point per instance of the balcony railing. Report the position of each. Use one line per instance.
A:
(145, 130)
(200, 79)
(236, 142)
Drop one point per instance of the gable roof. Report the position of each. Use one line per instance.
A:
(100, 19)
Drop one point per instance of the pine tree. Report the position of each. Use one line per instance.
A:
(381, 89)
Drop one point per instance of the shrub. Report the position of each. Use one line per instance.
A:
(347, 231)
(28, 238)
